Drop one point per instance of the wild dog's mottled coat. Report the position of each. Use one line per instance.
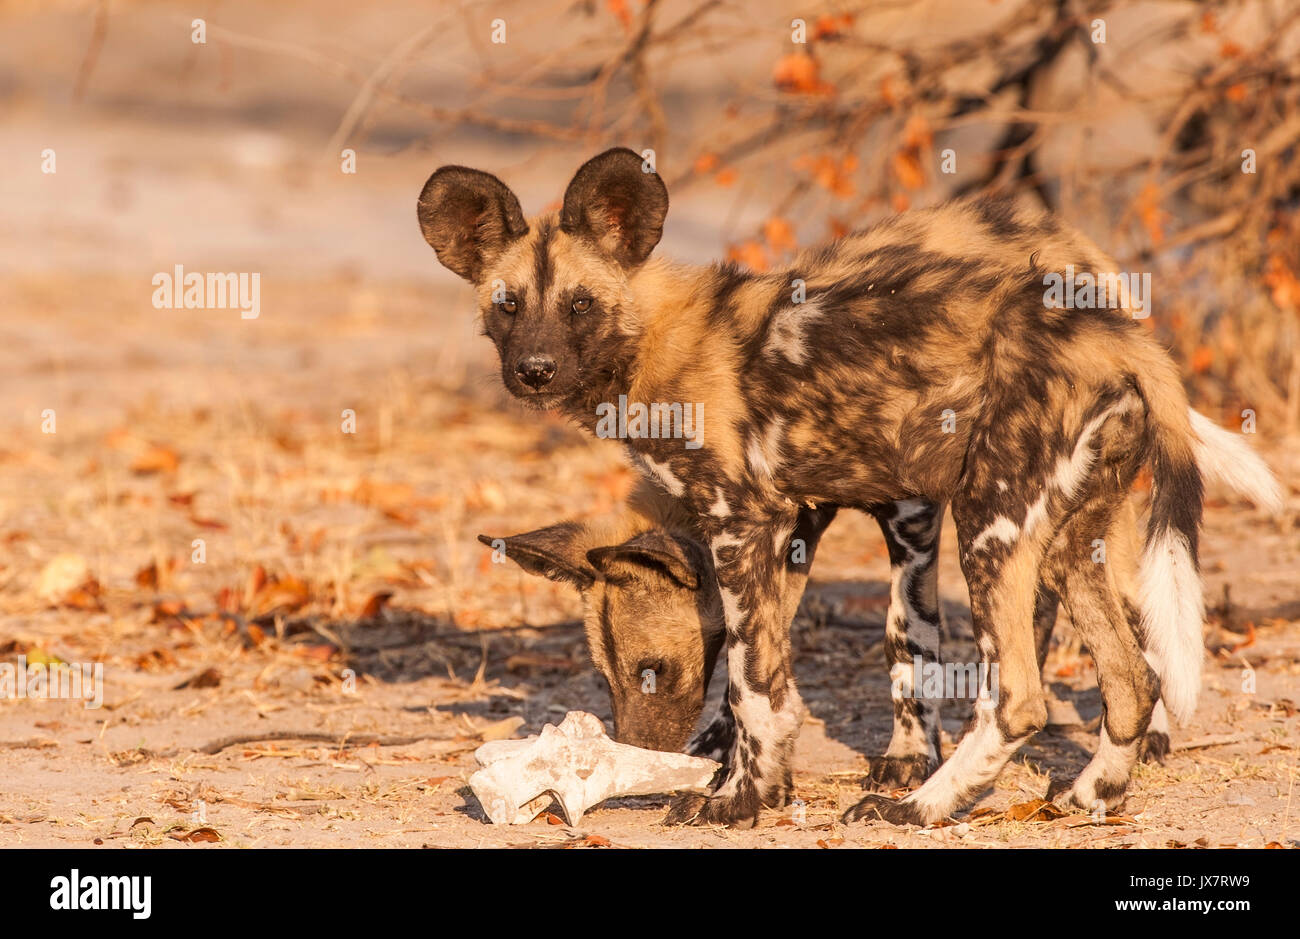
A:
(935, 311)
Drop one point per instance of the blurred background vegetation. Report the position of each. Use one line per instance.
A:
(1133, 120)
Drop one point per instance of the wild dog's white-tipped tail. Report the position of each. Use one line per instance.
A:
(1226, 458)
(1172, 613)
(1169, 582)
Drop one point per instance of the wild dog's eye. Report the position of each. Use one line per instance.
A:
(581, 304)
(509, 305)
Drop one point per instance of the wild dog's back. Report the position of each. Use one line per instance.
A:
(887, 342)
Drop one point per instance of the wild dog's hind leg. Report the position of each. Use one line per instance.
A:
(1109, 627)
(1155, 744)
(1001, 559)
(1123, 547)
(1045, 607)
(911, 529)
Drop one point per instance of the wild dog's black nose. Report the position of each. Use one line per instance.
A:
(536, 371)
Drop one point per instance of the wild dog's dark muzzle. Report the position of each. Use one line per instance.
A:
(535, 371)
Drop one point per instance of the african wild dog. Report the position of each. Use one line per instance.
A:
(923, 363)
(651, 604)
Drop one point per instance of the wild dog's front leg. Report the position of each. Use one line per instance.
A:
(749, 554)
(911, 529)
(717, 738)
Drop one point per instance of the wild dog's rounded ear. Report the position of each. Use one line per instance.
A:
(615, 204)
(680, 559)
(468, 216)
(555, 553)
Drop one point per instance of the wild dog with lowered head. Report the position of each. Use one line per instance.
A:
(916, 359)
(651, 605)
(651, 609)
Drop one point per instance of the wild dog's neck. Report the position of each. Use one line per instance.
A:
(672, 310)
(681, 344)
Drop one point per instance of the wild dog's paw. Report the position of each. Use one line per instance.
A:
(897, 772)
(1058, 792)
(877, 807)
(1155, 747)
(694, 809)
(684, 809)
(1084, 797)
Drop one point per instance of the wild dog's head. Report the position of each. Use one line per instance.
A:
(553, 290)
(652, 616)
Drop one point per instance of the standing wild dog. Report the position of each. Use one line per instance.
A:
(915, 360)
(651, 605)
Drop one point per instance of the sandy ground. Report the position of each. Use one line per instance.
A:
(339, 590)
(176, 426)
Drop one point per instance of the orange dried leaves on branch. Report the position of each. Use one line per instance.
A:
(749, 254)
(835, 176)
(1153, 217)
(800, 73)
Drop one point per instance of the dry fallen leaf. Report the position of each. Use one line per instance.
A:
(84, 597)
(156, 459)
(146, 578)
(527, 661)
(35, 655)
(375, 605)
(155, 660)
(317, 652)
(208, 678)
(486, 495)
(280, 595)
(1035, 810)
(197, 835)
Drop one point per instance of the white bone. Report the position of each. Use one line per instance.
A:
(577, 765)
